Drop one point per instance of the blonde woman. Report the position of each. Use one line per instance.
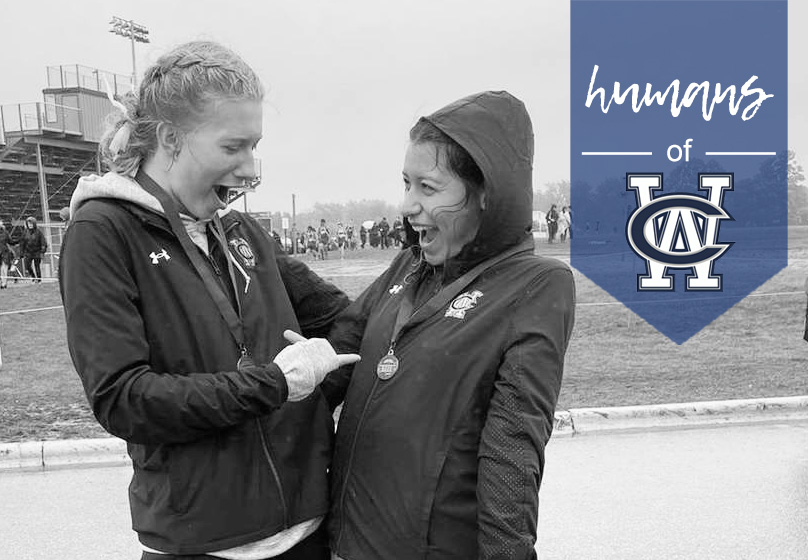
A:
(179, 317)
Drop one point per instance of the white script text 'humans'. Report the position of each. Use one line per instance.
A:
(690, 95)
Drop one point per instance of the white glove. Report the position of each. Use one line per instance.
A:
(306, 362)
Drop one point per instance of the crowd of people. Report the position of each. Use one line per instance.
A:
(221, 359)
(343, 237)
(558, 223)
(382, 235)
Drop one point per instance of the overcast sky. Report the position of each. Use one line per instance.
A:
(346, 79)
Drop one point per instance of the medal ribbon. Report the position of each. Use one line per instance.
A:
(231, 316)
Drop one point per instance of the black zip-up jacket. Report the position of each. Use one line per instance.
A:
(220, 458)
(33, 244)
(444, 459)
(6, 255)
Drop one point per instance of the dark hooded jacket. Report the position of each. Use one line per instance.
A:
(33, 244)
(443, 460)
(220, 457)
(6, 255)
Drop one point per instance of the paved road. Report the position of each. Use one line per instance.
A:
(724, 493)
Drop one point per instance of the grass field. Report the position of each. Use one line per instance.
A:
(615, 358)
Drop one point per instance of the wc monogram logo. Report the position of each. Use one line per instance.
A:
(678, 231)
(244, 251)
(463, 303)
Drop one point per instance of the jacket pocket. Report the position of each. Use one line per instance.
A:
(150, 479)
(189, 469)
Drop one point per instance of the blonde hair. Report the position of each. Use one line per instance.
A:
(177, 90)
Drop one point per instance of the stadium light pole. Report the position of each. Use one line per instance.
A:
(135, 33)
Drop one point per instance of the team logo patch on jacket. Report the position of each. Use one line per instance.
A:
(244, 251)
(463, 303)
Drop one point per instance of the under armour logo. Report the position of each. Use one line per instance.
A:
(396, 289)
(163, 254)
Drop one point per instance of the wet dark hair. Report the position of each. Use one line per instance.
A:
(458, 160)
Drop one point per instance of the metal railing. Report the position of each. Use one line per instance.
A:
(38, 117)
(75, 75)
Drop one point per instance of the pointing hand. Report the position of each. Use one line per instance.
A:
(306, 362)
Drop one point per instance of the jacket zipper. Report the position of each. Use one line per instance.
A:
(351, 456)
(215, 266)
(264, 443)
(353, 444)
(268, 456)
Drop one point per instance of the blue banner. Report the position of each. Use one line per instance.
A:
(679, 153)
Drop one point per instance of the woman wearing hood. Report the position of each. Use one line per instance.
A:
(33, 247)
(440, 445)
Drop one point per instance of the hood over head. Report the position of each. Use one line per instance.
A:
(495, 129)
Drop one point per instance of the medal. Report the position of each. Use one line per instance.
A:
(387, 366)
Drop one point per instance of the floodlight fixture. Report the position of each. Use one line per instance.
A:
(135, 32)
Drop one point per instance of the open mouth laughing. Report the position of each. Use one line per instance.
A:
(222, 193)
(426, 234)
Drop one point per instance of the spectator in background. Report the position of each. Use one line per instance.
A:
(563, 224)
(569, 212)
(301, 242)
(311, 242)
(374, 237)
(64, 215)
(384, 233)
(33, 247)
(342, 239)
(349, 232)
(552, 223)
(398, 231)
(6, 256)
(323, 238)
(363, 235)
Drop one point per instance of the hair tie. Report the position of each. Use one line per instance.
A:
(120, 141)
(115, 103)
